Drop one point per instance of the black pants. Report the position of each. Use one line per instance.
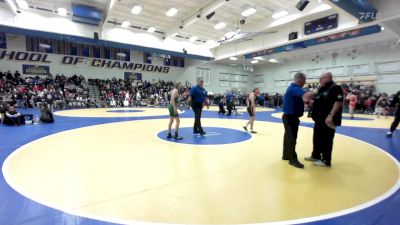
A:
(14, 121)
(197, 108)
(291, 124)
(395, 123)
(323, 142)
(396, 120)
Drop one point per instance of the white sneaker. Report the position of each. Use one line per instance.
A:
(311, 159)
(320, 163)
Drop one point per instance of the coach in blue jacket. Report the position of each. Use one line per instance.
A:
(198, 95)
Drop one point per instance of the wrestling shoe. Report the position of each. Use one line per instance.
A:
(177, 137)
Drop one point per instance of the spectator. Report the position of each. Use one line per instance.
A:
(13, 118)
(46, 116)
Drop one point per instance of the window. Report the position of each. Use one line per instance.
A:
(205, 74)
(58, 47)
(120, 54)
(96, 52)
(3, 41)
(147, 57)
(71, 48)
(45, 45)
(106, 53)
(174, 61)
(83, 50)
(32, 44)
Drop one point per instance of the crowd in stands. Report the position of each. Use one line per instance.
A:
(122, 93)
(368, 100)
(30, 92)
(60, 92)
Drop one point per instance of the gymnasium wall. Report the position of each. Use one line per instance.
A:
(379, 65)
(209, 70)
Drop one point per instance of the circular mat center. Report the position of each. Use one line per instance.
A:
(124, 111)
(213, 136)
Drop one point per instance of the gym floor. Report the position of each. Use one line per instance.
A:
(105, 166)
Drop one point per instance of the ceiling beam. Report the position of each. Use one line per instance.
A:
(12, 6)
(195, 16)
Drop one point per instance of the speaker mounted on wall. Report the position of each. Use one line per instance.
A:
(302, 4)
(293, 36)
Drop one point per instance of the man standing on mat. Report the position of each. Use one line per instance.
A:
(251, 109)
(327, 114)
(198, 95)
(396, 101)
(173, 112)
(293, 109)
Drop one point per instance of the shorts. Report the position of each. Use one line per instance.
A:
(172, 111)
(250, 111)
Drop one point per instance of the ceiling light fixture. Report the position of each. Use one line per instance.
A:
(220, 25)
(233, 58)
(175, 34)
(230, 34)
(62, 12)
(280, 14)
(248, 12)
(22, 4)
(125, 24)
(193, 38)
(258, 58)
(151, 29)
(254, 61)
(211, 43)
(171, 12)
(136, 9)
(273, 61)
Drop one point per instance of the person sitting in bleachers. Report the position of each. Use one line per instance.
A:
(46, 116)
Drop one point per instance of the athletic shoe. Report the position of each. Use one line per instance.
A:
(169, 136)
(196, 132)
(245, 128)
(311, 159)
(253, 132)
(321, 163)
(296, 164)
(178, 138)
(202, 133)
(389, 134)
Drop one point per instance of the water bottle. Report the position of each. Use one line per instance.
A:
(35, 120)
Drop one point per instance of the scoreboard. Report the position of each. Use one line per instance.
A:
(322, 24)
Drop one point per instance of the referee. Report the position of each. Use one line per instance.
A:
(396, 101)
(198, 95)
(327, 114)
(293, 108)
